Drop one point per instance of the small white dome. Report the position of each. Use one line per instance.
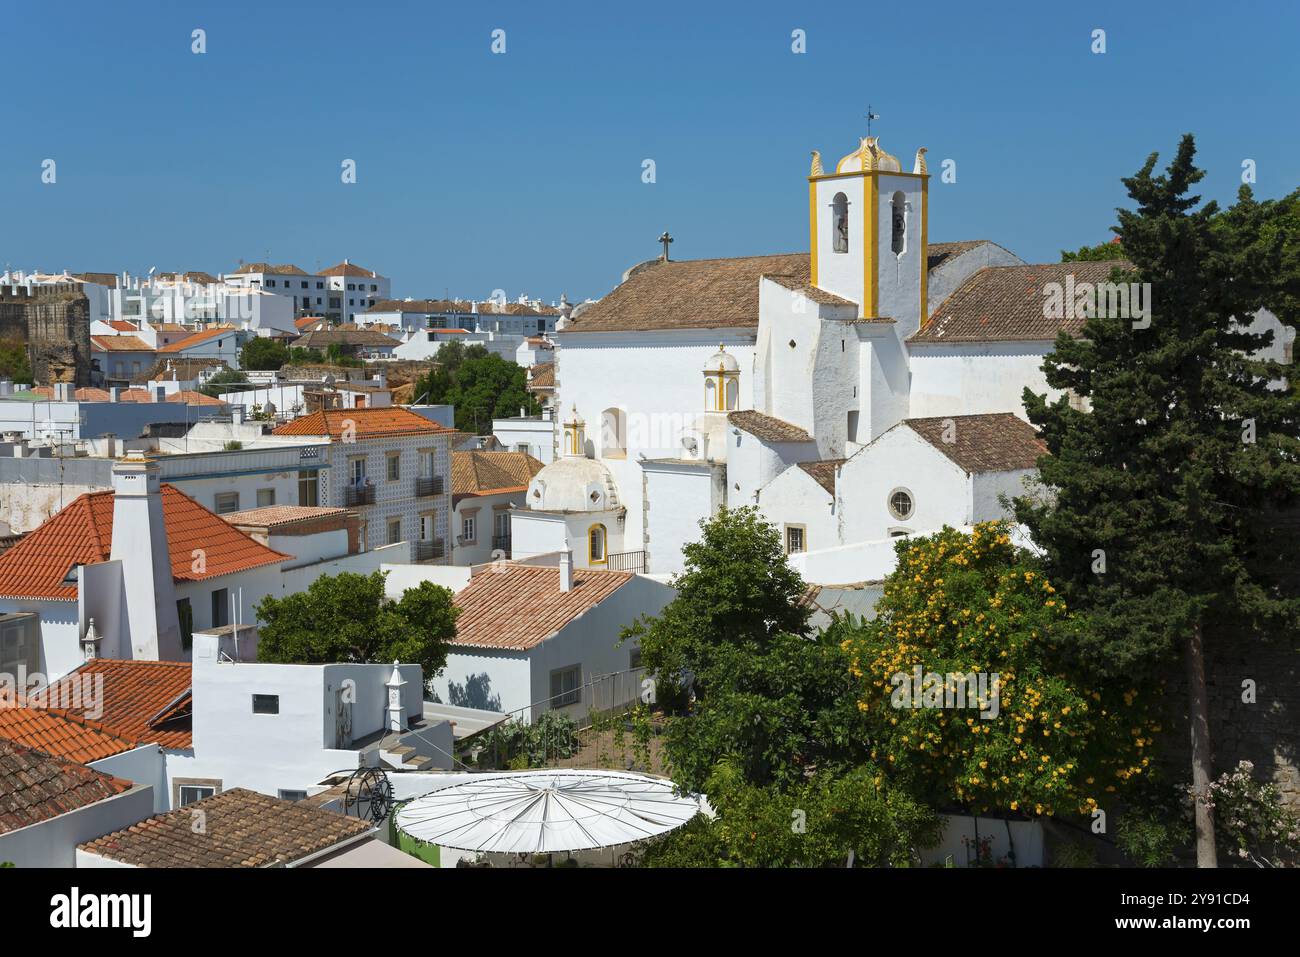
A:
(573, 484)
(721, 361)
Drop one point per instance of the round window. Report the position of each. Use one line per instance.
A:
(900, 504)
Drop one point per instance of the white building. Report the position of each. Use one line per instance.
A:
(694, 385)
(133, 573)
(533, 435)
(391, 465)
(485, 486)
(533, 637)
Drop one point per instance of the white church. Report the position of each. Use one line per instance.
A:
(868, 389)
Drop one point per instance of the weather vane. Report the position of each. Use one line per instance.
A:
(871, 116)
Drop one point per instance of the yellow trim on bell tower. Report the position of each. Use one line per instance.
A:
(812, 220)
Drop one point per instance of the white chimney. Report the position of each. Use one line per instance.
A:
(566, 570)
(396, 715)
(140, 544)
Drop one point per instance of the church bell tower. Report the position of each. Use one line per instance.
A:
(869, 233)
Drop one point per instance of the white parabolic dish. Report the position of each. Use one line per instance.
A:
(546, 811)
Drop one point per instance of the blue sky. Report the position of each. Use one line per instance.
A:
(523, 171)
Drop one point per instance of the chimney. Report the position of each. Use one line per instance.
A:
(566, 570)
(110, 445)
(140, 544)
(115, 394)
(396, 715)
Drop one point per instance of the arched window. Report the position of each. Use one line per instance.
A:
(710, 393)
(596, 545)
(613, 432)
(733, 394)
(840, 223)
(898, 237)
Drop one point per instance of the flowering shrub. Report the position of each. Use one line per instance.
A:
(1250, 821)
(1035, 740)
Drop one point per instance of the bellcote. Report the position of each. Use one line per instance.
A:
(869, 233)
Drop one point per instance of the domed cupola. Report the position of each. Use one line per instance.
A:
(573, 484)
(721, 382)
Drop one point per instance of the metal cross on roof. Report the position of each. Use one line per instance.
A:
(665, 239)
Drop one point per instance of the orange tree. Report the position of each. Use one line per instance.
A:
(1032, 738)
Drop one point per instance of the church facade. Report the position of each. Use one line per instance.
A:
(866, 389)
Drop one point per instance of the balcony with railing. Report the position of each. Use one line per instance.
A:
(354, 495)
(428, 551)
(626, 562)
(429, 485)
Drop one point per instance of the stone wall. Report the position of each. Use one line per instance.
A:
(54, 322)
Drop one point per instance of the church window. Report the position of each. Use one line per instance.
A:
(733, 394)
(596, 545)
(898, 210)
(840, 223)
(901, 505)
(710, 394)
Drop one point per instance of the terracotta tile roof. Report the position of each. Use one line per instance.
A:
(241, 829)
(56, 734)
(490, 308)
(285, 269)
(108, 279)
(364, 423)
(542, 376)
(823, 472)
(120, 344)
(196, 339)
(938, 253)
(349, 269)
(121, 325)
(517, 607)
(146, 702)
(436, 306)
(190, 397)
(1005, 303)
(694, 294)
(269, 516)
(801, 285)
(81, 533)
(35, 786)
(306, 321)
(181, 367)
(766, 427)
(488, 473)
(196, 275)
(997, 442)
(324, 338)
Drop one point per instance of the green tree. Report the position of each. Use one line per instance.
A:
(765, 694)
(1102, 252)
(14, 363)
(263, 355)
(1022, 734)
(222, 381)
(347, 617)
(306, 357)
(824, 821)
(487, 387)
(1158, 520)
(435, 387)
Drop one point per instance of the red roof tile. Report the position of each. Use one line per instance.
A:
(146, 702)
(196, 339)
(520, 606)
(364, 423)
(35, 786)
(120, 344)
(56, 734)
(82, 534)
